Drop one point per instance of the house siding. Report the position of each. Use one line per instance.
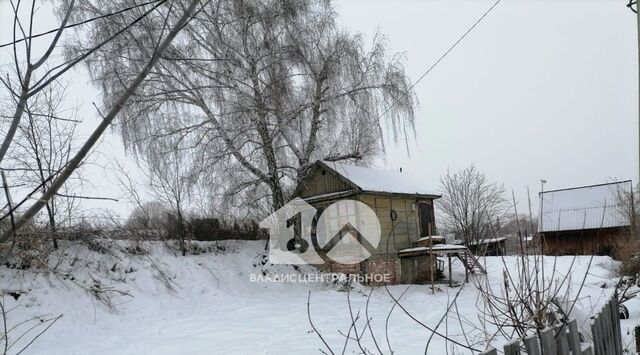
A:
(605, 241)
(319, 184)
(406, 230)
(396, 235)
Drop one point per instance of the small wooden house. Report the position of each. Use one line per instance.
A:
(584, 220)
(404, 208)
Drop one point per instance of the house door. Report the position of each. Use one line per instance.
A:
(426, 219)
(408, 270)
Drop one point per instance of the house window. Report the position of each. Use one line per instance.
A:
(339, 217)
(426, 219)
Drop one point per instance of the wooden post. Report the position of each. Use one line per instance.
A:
(466, 269)
(532, 345)
(561, 340)
(548, 342)
(615, 314)
(637, 335)
(611, 313)
(616, 325)
(633, 216)
(611, 336)
(450, 274)
(433, 261)
(512, 348)
(574, 338)
(596, 332)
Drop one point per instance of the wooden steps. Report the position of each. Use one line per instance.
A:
(471, 263)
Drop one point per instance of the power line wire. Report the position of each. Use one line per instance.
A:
(80, 23)
(445, 54)
(456, 43)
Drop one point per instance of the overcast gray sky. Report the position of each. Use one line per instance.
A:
(539, 89)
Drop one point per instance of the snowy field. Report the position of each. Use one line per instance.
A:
(206, 304)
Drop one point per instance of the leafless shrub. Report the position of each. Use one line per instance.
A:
(148, 215)
(534, 295)
(366, 330)
(529, 300)
(627, 205)
(45, 140)
(629, 256)
(16, 338)
(471, 205)
(31, 250)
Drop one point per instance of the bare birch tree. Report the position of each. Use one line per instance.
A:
(32, 71)
(470, 204)
(25, 83)
(175, 16)
(261, 89)
(45, 142)
(171, 180)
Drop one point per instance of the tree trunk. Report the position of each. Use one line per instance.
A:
(277, 195)
(181, 233)
(52, 226)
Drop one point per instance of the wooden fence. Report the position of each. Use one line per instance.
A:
(565, 339)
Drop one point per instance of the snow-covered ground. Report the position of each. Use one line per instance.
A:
(212, 306)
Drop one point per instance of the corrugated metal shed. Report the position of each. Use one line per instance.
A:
(588, 207)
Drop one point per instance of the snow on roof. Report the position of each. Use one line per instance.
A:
(488, 241)
(409, 250)
(432, 237)
(447, 247)
(376, 180)
(588, 207)
(434, 248)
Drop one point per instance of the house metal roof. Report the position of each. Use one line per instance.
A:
(376, 180)
(579, 208)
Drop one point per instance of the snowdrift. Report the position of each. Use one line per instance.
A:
(144, 298)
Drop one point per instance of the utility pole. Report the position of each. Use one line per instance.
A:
(633, 212)
(630, 6)
(540, 221)
(638, 26)
(542, 182)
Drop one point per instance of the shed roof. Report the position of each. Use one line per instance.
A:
(586, 207)
(441, 249)
(487, 241)
(376, 180)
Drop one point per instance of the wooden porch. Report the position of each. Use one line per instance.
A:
(435, 253)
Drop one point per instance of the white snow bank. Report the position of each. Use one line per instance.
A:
(214, 308)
